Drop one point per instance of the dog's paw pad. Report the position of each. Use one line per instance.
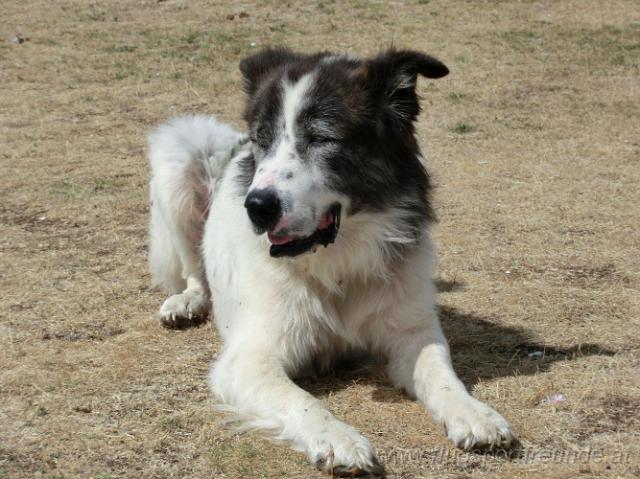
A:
(184, 309)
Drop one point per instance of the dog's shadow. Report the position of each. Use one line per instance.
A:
(482, 349)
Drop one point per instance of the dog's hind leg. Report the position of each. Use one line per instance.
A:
(178, 208)
(182, 179)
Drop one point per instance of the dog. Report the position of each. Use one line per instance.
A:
(309, 237)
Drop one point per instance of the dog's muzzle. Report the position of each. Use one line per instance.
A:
(324, 235)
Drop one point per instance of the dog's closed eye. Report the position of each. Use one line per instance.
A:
(320, 140)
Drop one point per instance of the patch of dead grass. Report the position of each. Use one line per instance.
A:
(533, 143)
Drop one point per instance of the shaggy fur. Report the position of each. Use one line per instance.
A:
(331, 155)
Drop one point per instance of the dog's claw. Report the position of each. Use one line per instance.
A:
(374, 471)
(343, 452)
(185, 309)
(475, 426)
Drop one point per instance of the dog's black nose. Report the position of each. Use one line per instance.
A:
(264, 208)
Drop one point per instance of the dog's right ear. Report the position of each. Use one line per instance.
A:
(256, 68)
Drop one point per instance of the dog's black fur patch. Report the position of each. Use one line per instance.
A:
(366, 109)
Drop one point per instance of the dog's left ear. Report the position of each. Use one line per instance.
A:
(391, 77)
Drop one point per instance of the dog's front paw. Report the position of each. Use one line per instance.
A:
(185, 309)
(474, 425)
(342, 451)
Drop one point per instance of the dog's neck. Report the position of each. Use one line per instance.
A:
(370, 248)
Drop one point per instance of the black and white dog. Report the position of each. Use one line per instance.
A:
(310, 238)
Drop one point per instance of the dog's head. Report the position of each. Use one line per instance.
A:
(331, 136)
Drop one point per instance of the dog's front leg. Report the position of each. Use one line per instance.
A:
(253, 381)
(419, 361)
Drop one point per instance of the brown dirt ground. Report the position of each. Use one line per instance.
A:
(534, 143)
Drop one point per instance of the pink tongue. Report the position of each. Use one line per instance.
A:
(279, 239)
(327, 219)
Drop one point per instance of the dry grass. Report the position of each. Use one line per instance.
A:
(533, 140)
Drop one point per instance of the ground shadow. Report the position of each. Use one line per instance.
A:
(448, 285)
(481, 348)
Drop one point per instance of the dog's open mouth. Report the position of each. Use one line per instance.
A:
(294, 245)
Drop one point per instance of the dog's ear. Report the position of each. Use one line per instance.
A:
(391, 77)
(256, 68)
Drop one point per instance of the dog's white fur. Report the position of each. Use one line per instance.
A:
(277, 315)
